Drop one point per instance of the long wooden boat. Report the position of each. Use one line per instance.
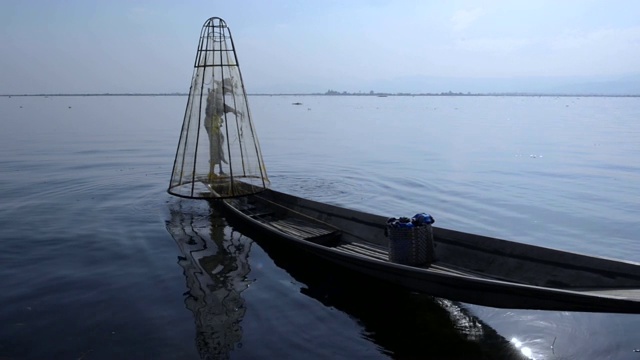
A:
(467, 268)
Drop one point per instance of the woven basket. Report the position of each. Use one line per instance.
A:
(411, 246)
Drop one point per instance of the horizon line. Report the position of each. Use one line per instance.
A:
(377, 94)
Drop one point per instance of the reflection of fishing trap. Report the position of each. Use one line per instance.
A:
(218, 153)
(411, 245)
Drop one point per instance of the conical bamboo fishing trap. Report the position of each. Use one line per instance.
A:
(218, 152)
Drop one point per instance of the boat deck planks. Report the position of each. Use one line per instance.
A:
(364, 250)
(382, 253)
(301, 227)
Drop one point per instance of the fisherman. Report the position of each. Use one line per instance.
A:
(214, 117)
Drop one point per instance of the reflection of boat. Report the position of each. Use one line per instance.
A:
(468, 268)
(397, 320)
(215, 264)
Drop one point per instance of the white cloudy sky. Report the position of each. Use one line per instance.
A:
(149, 46)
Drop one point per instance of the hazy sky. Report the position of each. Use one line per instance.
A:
(149, 46)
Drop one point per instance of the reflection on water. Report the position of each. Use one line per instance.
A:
(526, 351)
(403, 324)
(215, 263)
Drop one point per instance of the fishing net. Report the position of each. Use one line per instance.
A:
(218, 153)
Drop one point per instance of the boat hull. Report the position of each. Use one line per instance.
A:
(518, 276)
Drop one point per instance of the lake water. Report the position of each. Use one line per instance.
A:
(99, 262)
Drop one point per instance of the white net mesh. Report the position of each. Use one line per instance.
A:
(218, 152)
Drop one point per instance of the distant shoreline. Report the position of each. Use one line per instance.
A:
(339, 94)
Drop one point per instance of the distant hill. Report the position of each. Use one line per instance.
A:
(613, 85)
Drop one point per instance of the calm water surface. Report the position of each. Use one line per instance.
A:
(98, 262)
